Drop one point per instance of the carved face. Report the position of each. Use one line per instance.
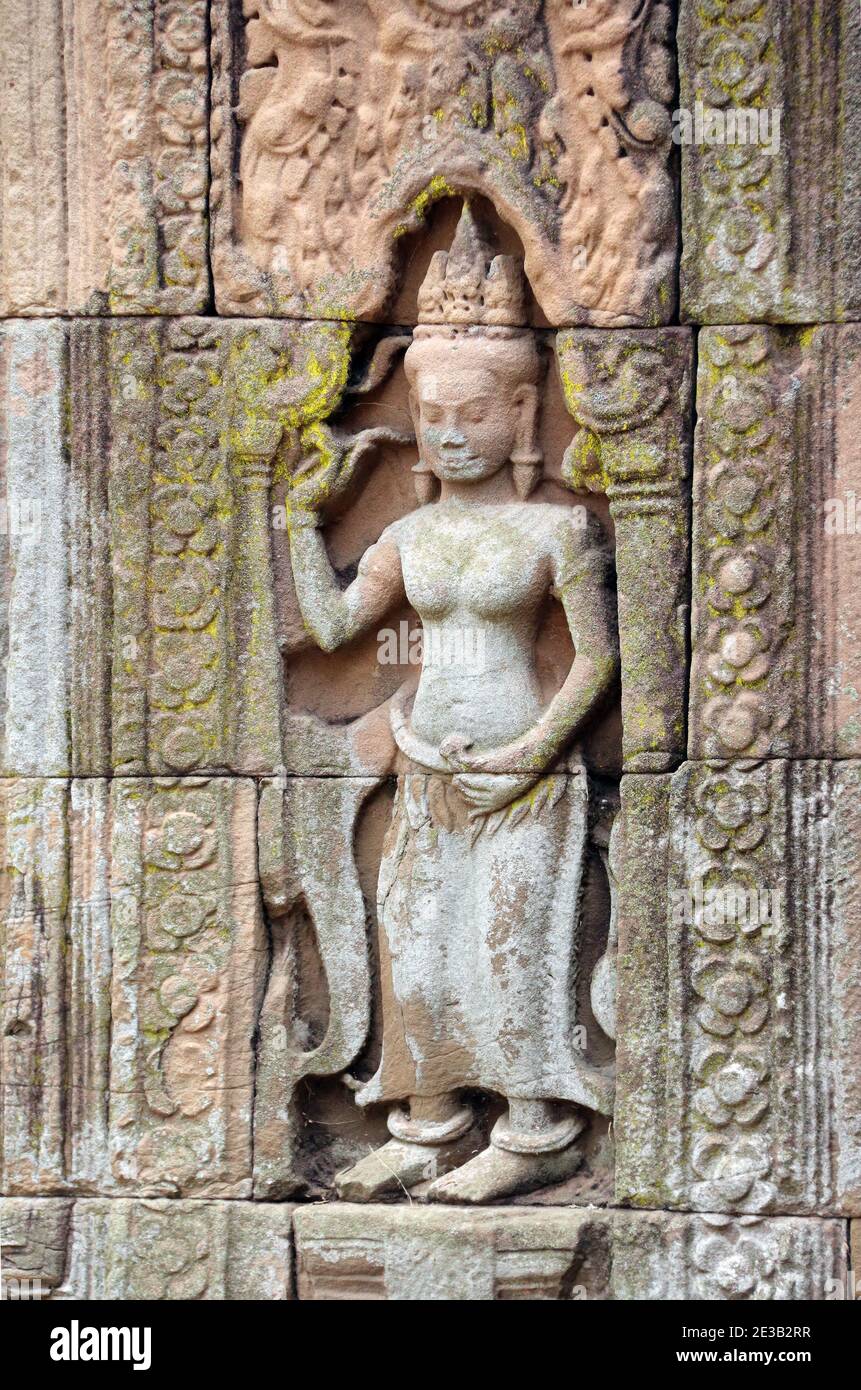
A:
(468, 420)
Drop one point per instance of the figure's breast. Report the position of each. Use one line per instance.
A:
(491, 570)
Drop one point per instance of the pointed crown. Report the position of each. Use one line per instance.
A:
(468, 284)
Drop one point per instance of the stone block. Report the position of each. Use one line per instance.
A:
(121, 1249)
(739, 1088)
(103, 173)
(336, 129)
(771, 174)
(418, 1253)
(658, 1256)
(776, 670)
(415, 1253)
(133, 964)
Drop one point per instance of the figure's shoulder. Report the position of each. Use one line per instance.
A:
(576, 542)
(397, 531)
(568, 526)
(384, 552)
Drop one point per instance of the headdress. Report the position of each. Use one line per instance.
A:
(469, 292)
(469, 285)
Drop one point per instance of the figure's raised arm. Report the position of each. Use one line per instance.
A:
(331, 614)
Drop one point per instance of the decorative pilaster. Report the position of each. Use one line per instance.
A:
(631, 395)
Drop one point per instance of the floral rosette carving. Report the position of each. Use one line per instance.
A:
(732, 813)
(156, 117)
(744, 1260)
(187, 505)
(735, 71)
(746, 617)
(181, 167)
(185, 946)
(174, 1247)
(735, 927)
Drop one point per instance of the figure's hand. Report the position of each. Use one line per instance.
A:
(531, 754)
(409, 743)
(487, 792)
(324, 475)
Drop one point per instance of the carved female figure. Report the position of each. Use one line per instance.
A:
(482, 870)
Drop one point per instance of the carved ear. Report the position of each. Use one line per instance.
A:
(526, 401)
(424, 478)
(526, 457)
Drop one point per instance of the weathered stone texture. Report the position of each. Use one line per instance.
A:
(155, 1249)
(739, 1081)
(152, 623)
(631, 395)
(414, 1253)
(777, 560)
(768, 221)
(108, 1249)
(325, 875)
(34, 545)
(103, 170)
(292, 907)
(335, 129)
(133, 963)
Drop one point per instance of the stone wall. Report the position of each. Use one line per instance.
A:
(343, 959)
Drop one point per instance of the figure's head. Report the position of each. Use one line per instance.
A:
(473, 369)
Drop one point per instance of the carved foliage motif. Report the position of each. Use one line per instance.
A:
(162, 90)
(729, 1009)
(188, 504)
(745, 611)
(760, 1083)
(118, 1248)
(738, 229)
(170, 507)
(761, 1261)
(353, 120)
(185, 944)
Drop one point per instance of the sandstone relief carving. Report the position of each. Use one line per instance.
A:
(345, 123)
(509, 1253)
(491, 793)
(746, 928)
(767, 202)
(104, 174)
(429, 707)
(133, 959)
(150, 599)
(117, 1249)
(776, 568)
(177, 641)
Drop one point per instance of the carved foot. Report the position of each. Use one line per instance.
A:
(499, 1173)
(399, 1165)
